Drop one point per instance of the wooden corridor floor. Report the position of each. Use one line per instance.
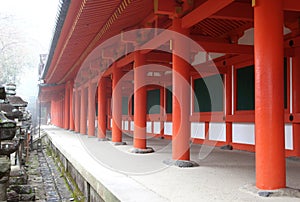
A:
(222, 175)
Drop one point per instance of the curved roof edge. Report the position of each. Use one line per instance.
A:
(64, 6)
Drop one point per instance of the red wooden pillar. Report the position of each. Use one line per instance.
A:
(57, 112)
(67, 107)
(102, 109)
(52, 112)
(57, 115)
(116, 106)
(91, 109)
(77, 111)
(140, 102)
(61, 113)
(83, 106)
(71, 107)
(228, 105)
(181, 97)
(269, 99)
(163, 113)
(296, 100)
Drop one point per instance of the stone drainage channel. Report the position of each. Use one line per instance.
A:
(46, 179)
(54, 184)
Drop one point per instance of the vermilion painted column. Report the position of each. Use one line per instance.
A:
(83, 115)
(296, 100)
(54, 118)
(164, 107)
(61, 113)
(67, 107)
(77, 111)
(52, 113)
(91, 110)
(55, 122)
(269, 99)
(56, 113)
(116, 105)
(181, 97)
(102, 109)
(140, 102)
(228, 105)
(71, 107)
(62, 110)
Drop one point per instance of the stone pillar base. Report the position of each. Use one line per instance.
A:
(226, 147)
(103, 139)
(119, 143)
(142, 151)
(283, 192)
(181, 163)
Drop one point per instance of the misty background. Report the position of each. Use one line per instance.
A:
(26, 30)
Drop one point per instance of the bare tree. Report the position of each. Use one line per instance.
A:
(13, 56)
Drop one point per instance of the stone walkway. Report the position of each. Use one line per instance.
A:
(222, 175)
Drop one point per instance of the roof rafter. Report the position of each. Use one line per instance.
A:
(205, 10)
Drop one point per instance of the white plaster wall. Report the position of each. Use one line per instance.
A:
(156, 127)
(198, 130)
(126, 125)
(149, 127)
(131, 125)
(217, 131)
(288, 129)
(168, 128)
(243, 133)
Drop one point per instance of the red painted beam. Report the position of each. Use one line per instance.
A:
(52, 88)
(291, 5)
(226, 48)
(221, 65)
(235, 11)
(164, 7)
(152, 44)
(125, 60)
(162, 57)
(205, 10)
(296, 42)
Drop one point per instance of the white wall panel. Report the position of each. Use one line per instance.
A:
(168, 128)
(149, 127)
(123, 125)
(156, 127)
(243, 133)
(288, 129)
(126, 125)
(131, 125)
(198, 130)
(217, 131)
